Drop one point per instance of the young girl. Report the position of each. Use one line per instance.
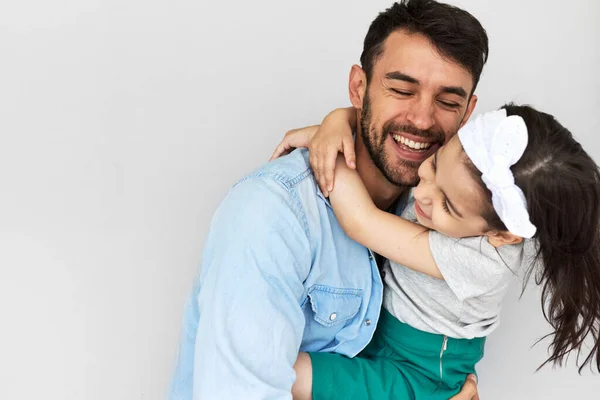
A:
(512, 190)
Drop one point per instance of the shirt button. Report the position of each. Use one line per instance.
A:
(332, 317)
(367, 322)
(370, 257)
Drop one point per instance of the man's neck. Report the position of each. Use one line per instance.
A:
(382, 191)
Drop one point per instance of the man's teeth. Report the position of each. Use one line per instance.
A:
(410, 143)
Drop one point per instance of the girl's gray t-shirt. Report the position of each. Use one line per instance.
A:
(466, 304)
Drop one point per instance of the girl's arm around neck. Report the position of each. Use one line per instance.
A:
(389, 235)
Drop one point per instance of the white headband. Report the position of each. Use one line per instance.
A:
(494, 142)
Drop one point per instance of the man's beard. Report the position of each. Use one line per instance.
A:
(403, 172)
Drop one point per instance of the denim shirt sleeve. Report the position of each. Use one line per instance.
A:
(256, 258)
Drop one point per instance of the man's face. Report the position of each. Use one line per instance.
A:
(415, 101)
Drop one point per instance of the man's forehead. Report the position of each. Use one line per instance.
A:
(412, 54)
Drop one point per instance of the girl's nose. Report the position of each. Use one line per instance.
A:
(422, 193)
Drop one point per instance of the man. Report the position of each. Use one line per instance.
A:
(278, 274)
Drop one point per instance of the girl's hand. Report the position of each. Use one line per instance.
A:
(333, 137)
(294, 139)
(324, 142)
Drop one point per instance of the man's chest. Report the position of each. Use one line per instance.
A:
(342, 291)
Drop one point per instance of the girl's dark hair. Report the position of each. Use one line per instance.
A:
(455, 33)
(561, 183)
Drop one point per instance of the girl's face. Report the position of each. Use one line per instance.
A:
(448, 199)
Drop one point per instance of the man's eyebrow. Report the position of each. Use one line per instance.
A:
(457, 90)
(399, 76)
(444, 194)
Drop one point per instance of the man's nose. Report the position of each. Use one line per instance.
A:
(420, 113)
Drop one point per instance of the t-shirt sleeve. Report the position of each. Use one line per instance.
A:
(471, 266)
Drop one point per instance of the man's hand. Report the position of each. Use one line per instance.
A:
(469, 390)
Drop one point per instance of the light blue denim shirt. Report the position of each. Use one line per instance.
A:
(278, 275)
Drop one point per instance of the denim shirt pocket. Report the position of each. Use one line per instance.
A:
(332, 306)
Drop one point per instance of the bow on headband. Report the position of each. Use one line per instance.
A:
(494, 142)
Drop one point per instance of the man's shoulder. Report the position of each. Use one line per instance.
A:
(274, 192)
(289, 171)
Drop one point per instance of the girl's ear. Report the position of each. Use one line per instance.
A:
(498, 239)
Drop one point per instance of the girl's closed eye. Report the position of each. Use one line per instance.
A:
(445, 206)
(444, 200)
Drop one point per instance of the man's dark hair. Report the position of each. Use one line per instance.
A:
(455, 33)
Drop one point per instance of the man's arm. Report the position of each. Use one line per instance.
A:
(256, 259)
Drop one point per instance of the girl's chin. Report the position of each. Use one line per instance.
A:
(424, 222)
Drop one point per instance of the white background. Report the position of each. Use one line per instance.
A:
(123, 123)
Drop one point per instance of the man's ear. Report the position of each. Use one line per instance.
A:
(357, 86)
(502, 238)
(469, 111)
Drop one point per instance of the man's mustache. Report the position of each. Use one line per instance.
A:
(413, 130)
